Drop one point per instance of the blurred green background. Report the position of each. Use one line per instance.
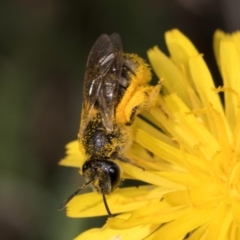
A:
(43, 50)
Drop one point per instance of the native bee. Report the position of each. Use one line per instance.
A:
(115, 90)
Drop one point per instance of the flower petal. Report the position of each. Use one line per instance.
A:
(180, 47)
(230, 68)
(149, 177)
(154, 212)
(217, 38)
(106, 233)
(186, 128)
(199, 233)
(236, 137)
(171, 154)
(169, 72)
(121, 200)
(205, 86)
(220, 223)
(185, 179)
(74, 157)
(190, 220)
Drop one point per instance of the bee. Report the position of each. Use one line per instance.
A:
(115, 90)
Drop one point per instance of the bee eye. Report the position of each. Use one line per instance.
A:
(114, 174)
(107, 172)
(84, 167)
(87, 165)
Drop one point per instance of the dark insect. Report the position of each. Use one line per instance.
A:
(113, 94)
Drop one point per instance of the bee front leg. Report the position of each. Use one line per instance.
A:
(126, 160)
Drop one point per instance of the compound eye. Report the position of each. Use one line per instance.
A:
(85, 166)
(114, 173)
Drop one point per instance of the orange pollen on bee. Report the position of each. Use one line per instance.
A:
(138, 94)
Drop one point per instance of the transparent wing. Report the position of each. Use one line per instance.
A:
(100, 84)
(109, 90)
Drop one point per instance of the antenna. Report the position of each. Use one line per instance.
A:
(63, 205)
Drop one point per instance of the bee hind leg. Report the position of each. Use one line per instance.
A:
(126, 160)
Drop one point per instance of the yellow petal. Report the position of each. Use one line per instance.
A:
(74, 157)
(181, 50)
(199, 233)
(180, 47)
(235, 37)
(190, 219)
(155, 212)
(236, 137)
(217, 38)
(186, 128)
(147, 159)
(220, 223)
(211, 193)
(230, 68)
(234, 232)
(204, 84)
(168, 71)
(121, 200)
(149, 177)
(136, 233)
(177, 198)
(235, 201)
(185, 179)
(221, 161)
(227, 51)
(145, 126)
(171, 154)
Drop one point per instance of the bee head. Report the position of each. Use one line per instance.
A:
(103, 174)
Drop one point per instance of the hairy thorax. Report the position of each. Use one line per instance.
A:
(100, 144)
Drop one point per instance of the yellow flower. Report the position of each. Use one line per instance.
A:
(190, 148)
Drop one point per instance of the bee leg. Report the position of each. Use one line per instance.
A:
(132, 117)
(126, 160)
(128, 65)
(106, 206)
